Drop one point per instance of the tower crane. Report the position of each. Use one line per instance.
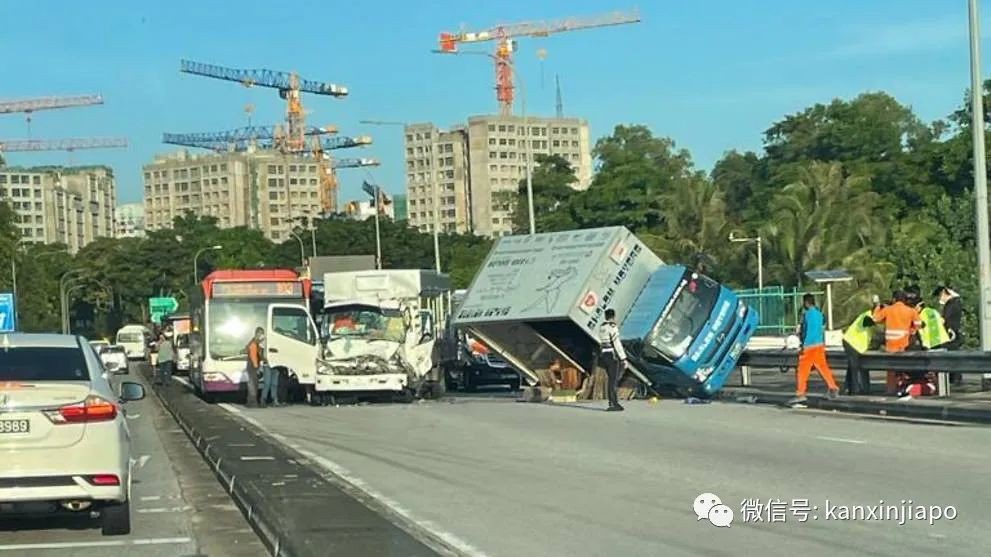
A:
(241, 145)
(62, 144)
(46, 103)
(289, 85)
(274, 136)
(328, 178)
(504, 36)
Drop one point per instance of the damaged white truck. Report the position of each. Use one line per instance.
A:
(379, 330)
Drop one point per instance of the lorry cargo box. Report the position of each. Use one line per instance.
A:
(540, 298)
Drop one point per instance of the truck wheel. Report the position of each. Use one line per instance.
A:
(438, 389)
(115, 519)
(311, 396)
(406, 396)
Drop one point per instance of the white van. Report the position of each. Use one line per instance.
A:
(134, 339)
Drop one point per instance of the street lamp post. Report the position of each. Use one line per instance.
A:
(760, 256)
(433, 191)
(980, 179)
(196, 258)
(302, 249)
(526, 127)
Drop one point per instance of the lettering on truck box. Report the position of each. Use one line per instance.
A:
(601, 304)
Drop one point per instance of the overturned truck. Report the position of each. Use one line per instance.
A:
(539, 300)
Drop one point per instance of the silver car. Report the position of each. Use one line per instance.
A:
(64, 442)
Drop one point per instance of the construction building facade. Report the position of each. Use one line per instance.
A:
(61, 205)
(474, 172)
(129, 220)
(264, 190)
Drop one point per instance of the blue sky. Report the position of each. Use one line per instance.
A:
(711, 74)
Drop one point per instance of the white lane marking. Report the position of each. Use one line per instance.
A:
(841, 440)
(165, 510)
(132, 416)
(240, 444)
(250, 458)
(142, 460)
(108, 543)
(151, 498)
(357, 483)
(184, 381)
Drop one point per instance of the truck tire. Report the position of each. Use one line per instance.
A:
(115, 519)
(406, 396)
(437, 390)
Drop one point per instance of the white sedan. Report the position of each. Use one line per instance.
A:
(64, 442)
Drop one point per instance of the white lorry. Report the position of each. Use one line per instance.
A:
(378, 334)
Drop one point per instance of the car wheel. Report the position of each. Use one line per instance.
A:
(115, 519)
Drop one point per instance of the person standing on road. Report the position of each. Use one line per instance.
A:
(952, 311)
(612, 356)
(270, 385)
(166, 357)
(812, 333)
(856, 341)
(900, 320)
(256, 359)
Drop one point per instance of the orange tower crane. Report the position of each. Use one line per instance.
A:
(505, 34)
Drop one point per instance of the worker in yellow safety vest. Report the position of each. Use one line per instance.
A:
(933, 334)
(856, 340)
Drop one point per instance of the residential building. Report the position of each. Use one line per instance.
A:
(61, 205)
(437, 168)
(265, 190)
(475, 170)
(129, 221)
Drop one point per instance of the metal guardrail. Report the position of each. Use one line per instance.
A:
(939, 361)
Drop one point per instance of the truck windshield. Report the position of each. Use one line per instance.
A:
(675, 331)
(130, 337)
(231, 324)
(368, 323)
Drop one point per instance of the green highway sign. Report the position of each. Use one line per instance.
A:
(161, 307)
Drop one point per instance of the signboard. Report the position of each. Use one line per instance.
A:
(572, 274)
(258, 289)
(8, 313)
(161, 307)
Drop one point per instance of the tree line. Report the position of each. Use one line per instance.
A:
(860, 184)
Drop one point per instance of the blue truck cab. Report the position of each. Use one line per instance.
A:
(685, 332)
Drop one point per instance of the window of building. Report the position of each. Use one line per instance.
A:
(574, 131)
(313, 181)
(419, 137)
(492, 154)
(502, 128)
(503, 154)
(273, 195)
(556, 143)
(492, 127)
(574, 144)
(409, 137)
(502, 141)
(555, 130)
(493, 167)
(36, 180)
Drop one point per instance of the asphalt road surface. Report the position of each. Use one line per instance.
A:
(178, 507)
(496, 477)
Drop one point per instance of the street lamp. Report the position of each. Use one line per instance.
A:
(433, 191)
(760, 256)
(980, 180)
(526, 127)
(309, 222)
(302, 250)
(376, 192)
(196, 257)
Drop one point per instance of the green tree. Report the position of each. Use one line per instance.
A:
(553, 184)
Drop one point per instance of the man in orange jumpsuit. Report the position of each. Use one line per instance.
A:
(812, 333)
(900, 322)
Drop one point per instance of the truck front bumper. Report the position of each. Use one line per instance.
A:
(395, 382)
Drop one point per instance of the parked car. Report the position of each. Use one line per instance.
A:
(114, 359)
(65, 443)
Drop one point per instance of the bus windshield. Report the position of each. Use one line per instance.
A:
(364, 322)
(675, 331)
(231, 324)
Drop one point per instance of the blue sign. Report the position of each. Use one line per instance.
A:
(8, 315)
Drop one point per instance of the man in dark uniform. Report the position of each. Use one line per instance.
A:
(952, 310)
(612, 356)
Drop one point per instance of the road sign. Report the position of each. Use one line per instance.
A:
(8, 314)
(161, 307)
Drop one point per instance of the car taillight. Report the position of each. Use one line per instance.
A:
(103, 479)
(93, 409)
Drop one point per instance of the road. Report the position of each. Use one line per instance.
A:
(178, 507)
(496, 477)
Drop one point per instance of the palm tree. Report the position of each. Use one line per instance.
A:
(695, 223)
(827, 220)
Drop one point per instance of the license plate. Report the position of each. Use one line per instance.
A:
(15, 426)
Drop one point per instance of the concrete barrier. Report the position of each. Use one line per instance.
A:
(293, 508)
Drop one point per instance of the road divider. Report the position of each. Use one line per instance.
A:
(295, 510)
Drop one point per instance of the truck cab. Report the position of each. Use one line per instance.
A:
(693, 343)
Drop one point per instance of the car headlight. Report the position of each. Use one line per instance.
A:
(741, 310)
(324, 369)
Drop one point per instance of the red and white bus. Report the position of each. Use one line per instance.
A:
(226, 310)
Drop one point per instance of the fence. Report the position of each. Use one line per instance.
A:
(778, 308)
